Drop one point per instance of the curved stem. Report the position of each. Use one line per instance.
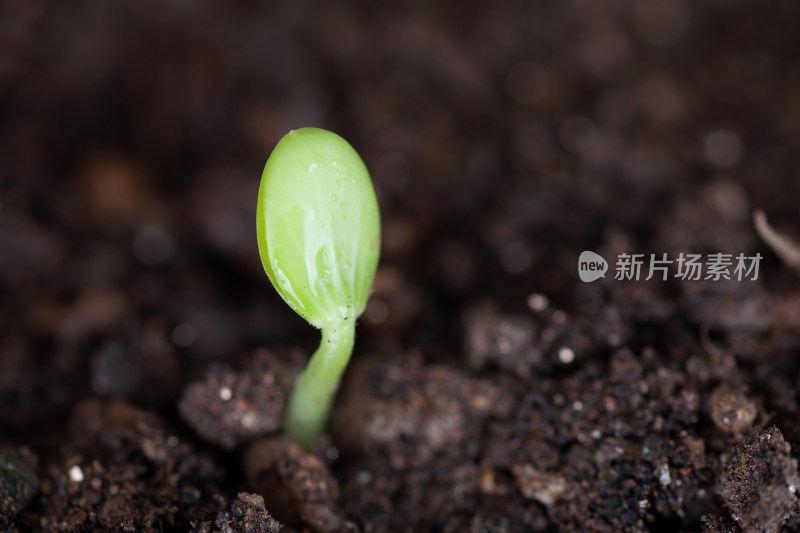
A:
(313, 392)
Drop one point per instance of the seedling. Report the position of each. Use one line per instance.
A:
(319, 239)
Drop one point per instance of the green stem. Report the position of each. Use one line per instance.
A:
(313, 392)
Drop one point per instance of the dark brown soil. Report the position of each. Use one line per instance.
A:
(145, 360)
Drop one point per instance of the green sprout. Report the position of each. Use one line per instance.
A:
(318, 231)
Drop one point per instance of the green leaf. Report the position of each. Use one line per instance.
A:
(318, 226)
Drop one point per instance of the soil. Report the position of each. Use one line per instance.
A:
(145, 360)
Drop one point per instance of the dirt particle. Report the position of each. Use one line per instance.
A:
(18, 484)
(297, 484)
(503, 341)
(731, 410)
(247, 514)
(116, 514)
(544, 487)
(230, 407)
(759, 482)
(76, 474)
(414, 412)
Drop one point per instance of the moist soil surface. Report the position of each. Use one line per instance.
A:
(145, 360)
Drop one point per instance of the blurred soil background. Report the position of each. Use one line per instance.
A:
(145, 359)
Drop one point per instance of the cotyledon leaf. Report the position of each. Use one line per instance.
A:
(318, 226)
